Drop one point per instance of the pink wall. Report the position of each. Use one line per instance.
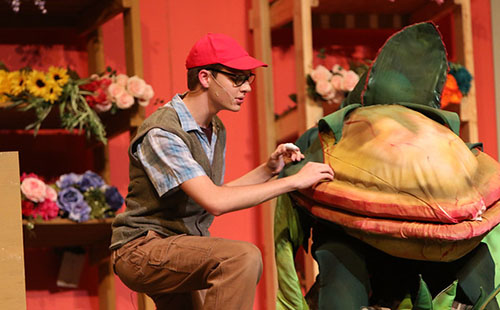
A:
(484, 75)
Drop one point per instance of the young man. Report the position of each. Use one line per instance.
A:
(161, 244)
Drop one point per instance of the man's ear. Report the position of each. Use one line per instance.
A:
(204, 76)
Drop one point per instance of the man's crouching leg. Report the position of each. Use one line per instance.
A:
(175, 269)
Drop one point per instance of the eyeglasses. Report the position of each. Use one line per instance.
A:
(238, 79)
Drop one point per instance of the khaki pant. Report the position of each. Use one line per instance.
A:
(190, 272)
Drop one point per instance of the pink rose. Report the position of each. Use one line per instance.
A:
(350, 80)
(325, 89)
(337, 82)
(121, 79)
(115, 90)
(320, 74)
(50, 193)
(146, 97)
(337, 69)
(136, 86)
(148, 93)
(34, 189)
(125, 101)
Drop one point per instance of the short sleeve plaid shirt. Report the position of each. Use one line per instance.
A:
(161, 149)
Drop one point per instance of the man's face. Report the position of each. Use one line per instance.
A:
(229, 88)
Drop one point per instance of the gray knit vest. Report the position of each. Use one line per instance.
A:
(175, 212)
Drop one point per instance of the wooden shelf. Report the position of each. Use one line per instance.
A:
(74, 23)
(64, 233)
(81, 15)
(14, 120)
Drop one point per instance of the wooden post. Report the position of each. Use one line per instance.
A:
(465, 56)
(309, 112)
(12, 283)
(96, 64)
(260, 25)
(133, 59)
(133, 53)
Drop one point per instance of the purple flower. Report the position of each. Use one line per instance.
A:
(69, 198)
(113, 197)
(80, 212)
(90, 179)
(67, 180)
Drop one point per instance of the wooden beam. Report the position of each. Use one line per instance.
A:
(465, 56)
(260, 21)
(432, 11)
(12, 284)
(281, 13)
(95, 51)
(99, 13)
(308, 111)
(133, 52)
(96, 64)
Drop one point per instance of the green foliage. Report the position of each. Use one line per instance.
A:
(444, 300)
(406, 303)
(96, 200)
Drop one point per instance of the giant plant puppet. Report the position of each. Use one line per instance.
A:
(410, 199)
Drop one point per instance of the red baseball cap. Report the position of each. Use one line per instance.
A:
(218, 48)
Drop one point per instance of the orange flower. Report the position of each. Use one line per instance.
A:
(451, 92)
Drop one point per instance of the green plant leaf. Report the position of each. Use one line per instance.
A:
(424, 298)
(480, 300)
(406, 303)
(444, 300)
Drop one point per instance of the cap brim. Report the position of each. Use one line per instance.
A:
(244, 63)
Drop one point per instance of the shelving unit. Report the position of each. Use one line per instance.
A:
(72, 21)
(267, 16)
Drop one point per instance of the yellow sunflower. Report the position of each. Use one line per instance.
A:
(17, 81)
(4, 86)
(60, 75)
(4, 82)
(37, 83)
(53, 91)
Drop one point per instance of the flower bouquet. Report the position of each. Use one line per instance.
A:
(38, 200)
(85, 196)
(331, 86)
(79, 197)
(78, 100)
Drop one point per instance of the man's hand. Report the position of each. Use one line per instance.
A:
(311, 174)
(284, 153)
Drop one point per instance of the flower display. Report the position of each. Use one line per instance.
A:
(117, 91)
(86, 196)
(78, 100)
(79, 197)
(38, 198)
(332, 85)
